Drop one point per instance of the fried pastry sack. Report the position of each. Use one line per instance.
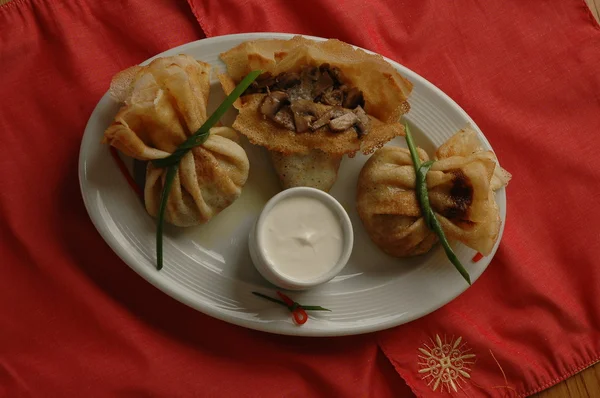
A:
(315, 102)
(164, 103)
(460, 184)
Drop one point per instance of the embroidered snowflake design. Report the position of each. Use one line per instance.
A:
(445, 363)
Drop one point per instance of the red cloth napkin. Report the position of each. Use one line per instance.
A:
(528, 74)
(76, 321)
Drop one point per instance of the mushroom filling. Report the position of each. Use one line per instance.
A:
(291, 98)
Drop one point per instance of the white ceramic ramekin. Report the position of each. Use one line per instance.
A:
(267, 269)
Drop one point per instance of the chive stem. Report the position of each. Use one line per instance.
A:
(169, 178)
(423, 194)
(414, 154)
(293, 306)
(431, 220)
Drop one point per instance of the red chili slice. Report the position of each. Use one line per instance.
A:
(300, 316)
(477, 257)
(125, 172)
(285, 299)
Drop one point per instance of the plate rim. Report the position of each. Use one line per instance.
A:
(172, 289)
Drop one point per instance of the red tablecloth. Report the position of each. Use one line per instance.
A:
(75, 321)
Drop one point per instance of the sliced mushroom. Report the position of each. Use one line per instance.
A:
(333, 97)
(324, 83)
(265, 80)
(324, 67)
(327, 116)
(354, 98)
(305, 106)
(305, 112)
(311, 73)
(273, 103)
(336, 74)
(343, 122)
(285, 118)
(287, 79)
(252, 89)
(302, 122)
(363, 124)
(291, 98)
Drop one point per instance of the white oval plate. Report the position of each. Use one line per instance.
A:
(209, 268)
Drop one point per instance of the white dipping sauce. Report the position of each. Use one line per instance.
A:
(302, 237)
